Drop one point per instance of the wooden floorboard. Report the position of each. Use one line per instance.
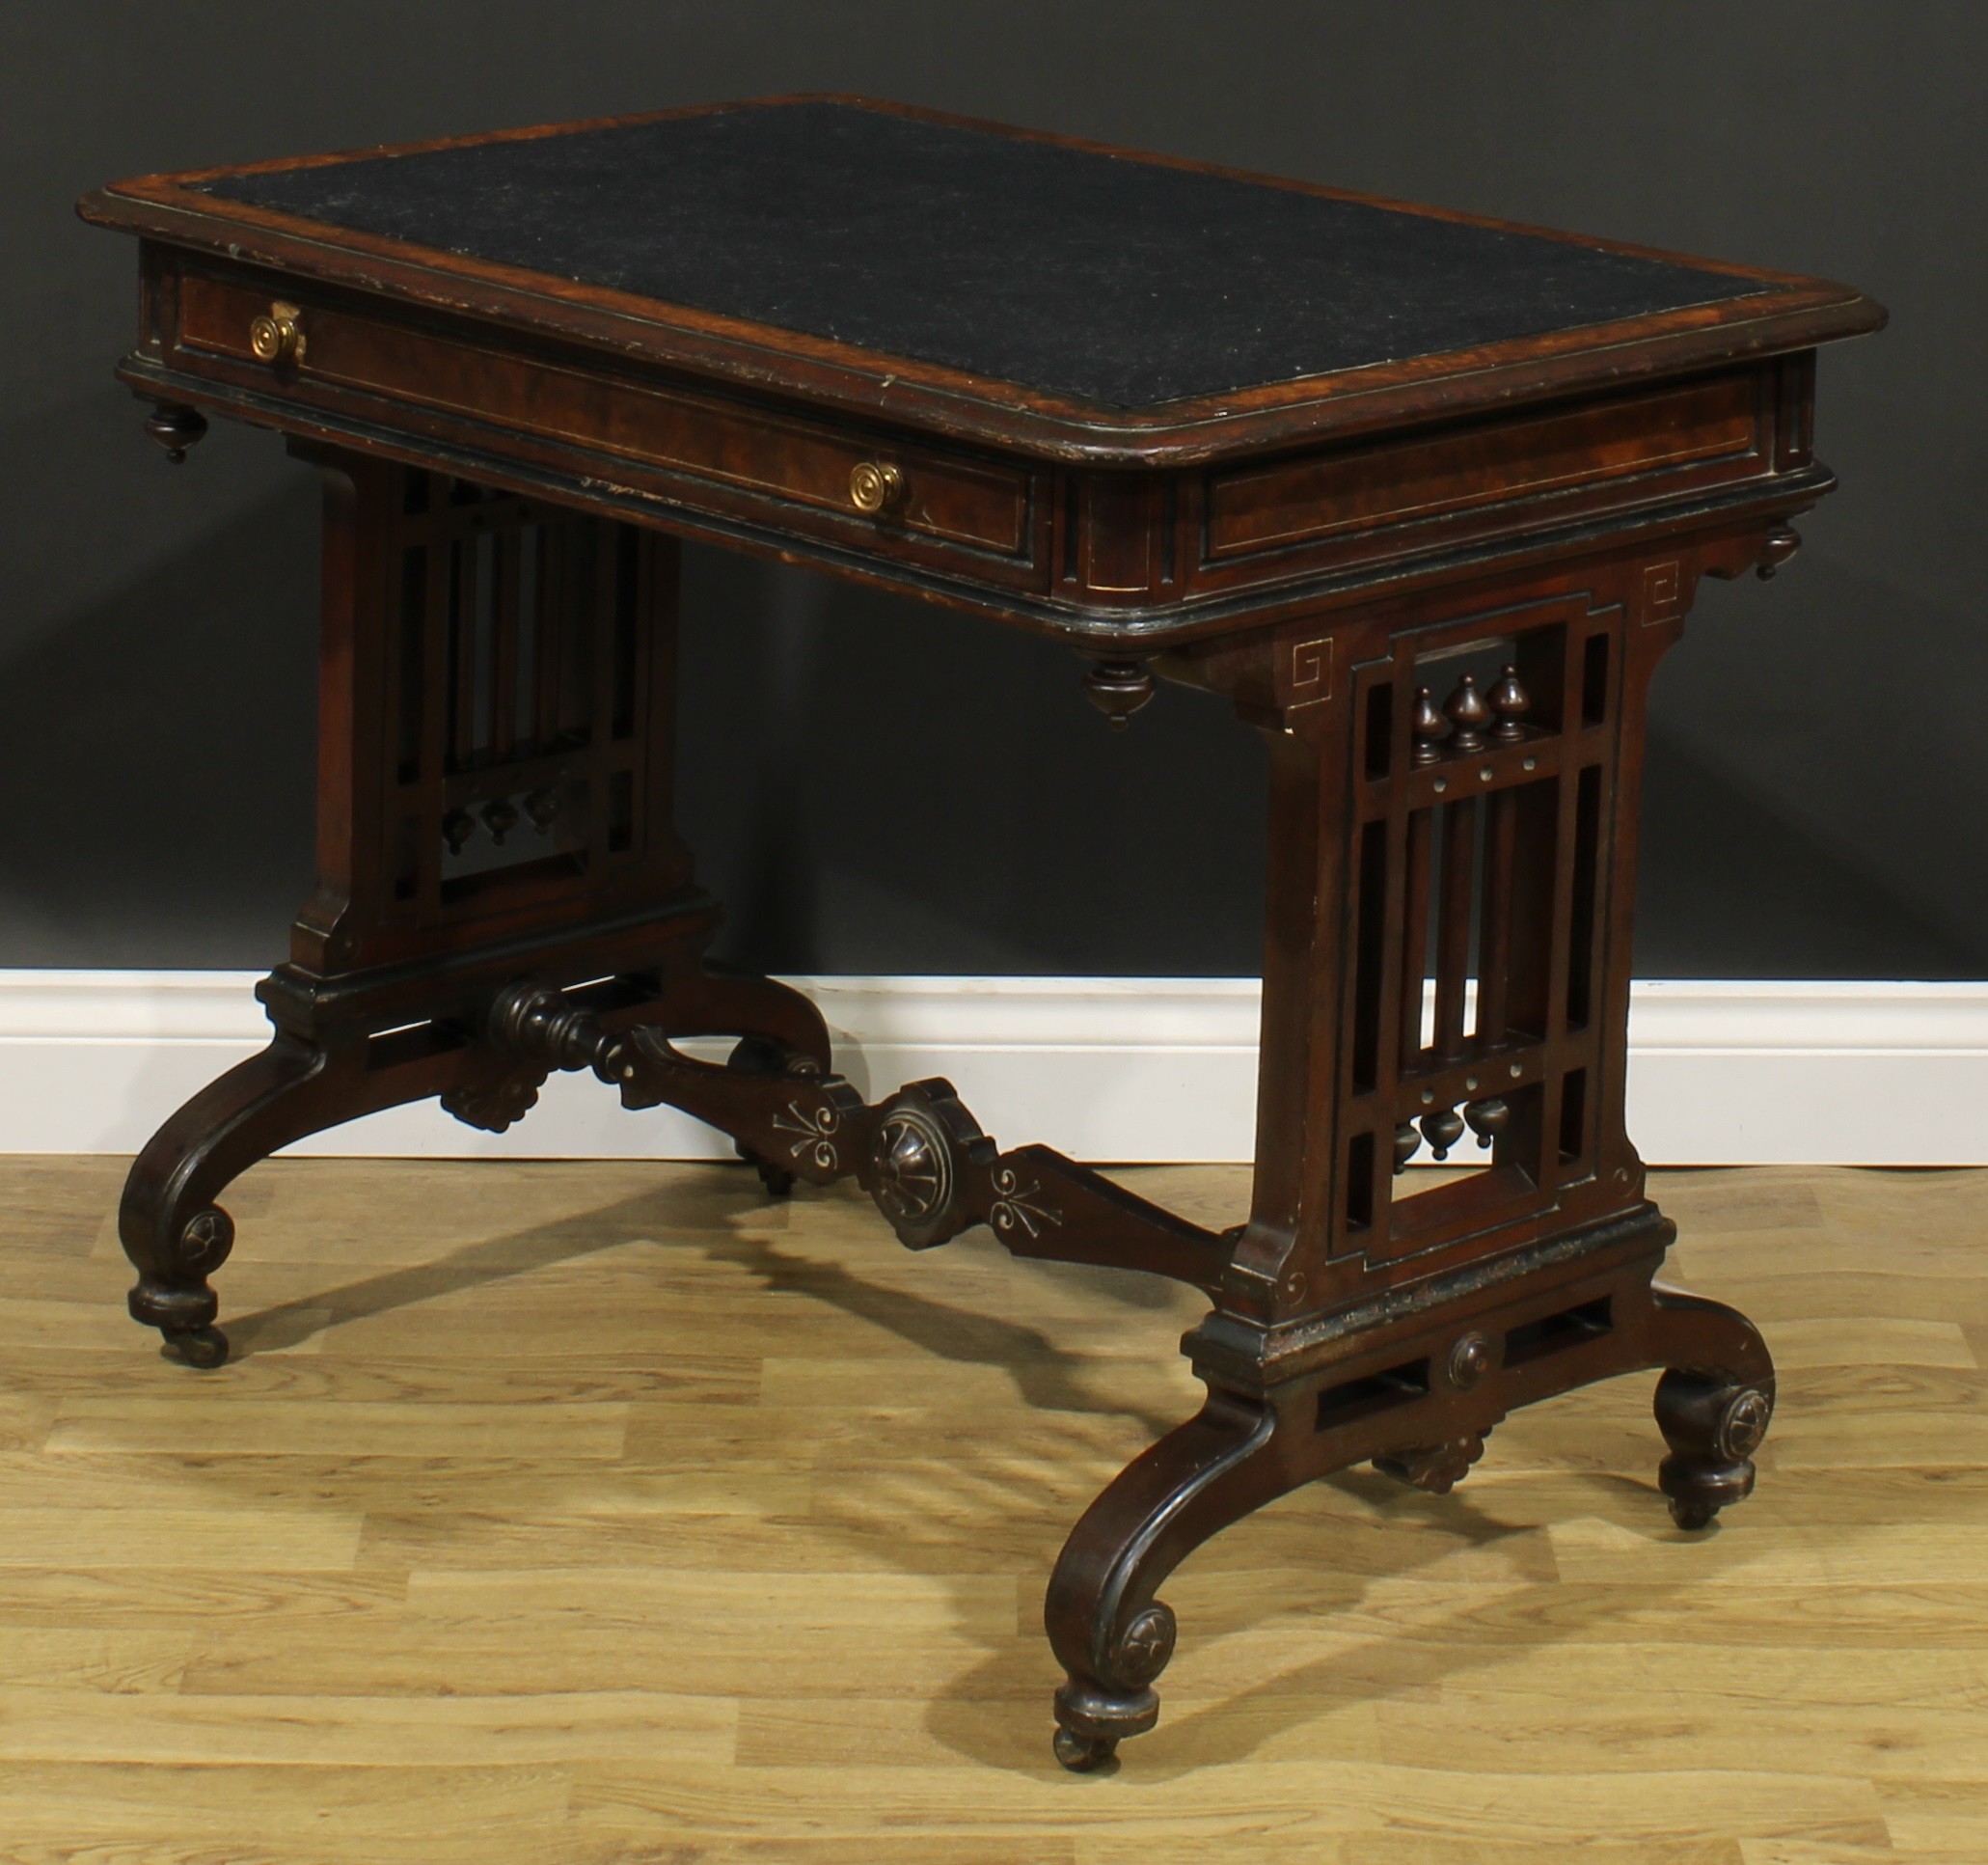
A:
(606, 1513)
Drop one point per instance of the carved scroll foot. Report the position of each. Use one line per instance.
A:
(173, 1232)
(1713, 1405)
(1111, 1634)
(1712, 1430)
(171, 1222)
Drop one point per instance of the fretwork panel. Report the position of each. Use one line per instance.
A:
(1486, 751)
(525, 666)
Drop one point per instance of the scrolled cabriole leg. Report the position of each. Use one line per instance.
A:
(1111, 1634)
(172, 1228)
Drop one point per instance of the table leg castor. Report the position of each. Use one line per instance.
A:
(206, 1348)
(1085, 1754)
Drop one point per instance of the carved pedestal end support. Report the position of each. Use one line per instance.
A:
(1712, 1428)
(176, 427)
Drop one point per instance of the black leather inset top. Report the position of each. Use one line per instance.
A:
(1114, 281)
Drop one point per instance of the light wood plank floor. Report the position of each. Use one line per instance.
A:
(590, 1513)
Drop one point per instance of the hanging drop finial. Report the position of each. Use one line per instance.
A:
(1118, 689)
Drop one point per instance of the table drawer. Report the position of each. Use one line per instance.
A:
(703, 451)
(1487, 477)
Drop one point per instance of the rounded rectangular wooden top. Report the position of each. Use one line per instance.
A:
(937, 269)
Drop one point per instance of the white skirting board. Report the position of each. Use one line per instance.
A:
(1120, 1070)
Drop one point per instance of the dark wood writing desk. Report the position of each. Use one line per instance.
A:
(1425, 497)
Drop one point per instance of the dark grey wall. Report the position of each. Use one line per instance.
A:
(880, 786)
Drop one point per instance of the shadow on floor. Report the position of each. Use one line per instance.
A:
(979, 1714)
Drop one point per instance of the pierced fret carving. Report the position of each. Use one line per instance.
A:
(1466, 1027)
(524, 672)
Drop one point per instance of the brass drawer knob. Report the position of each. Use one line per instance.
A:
(277, 336)
(875, 484)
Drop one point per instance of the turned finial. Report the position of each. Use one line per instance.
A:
(1427, 728)
(1509, 702)
(1468, 713)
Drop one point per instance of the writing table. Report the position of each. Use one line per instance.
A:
(1425, 497)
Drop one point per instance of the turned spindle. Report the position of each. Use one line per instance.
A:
(1452, 925)
(1494, 961)
(1415, 928)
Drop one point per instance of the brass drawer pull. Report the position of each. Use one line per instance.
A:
(875, 484)
(277, 336)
